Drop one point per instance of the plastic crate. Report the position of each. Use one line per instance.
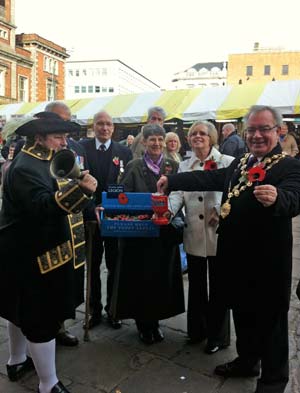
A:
(127, 203)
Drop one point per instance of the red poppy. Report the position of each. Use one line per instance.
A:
(210, 165)
(256, 173)
(123, 199)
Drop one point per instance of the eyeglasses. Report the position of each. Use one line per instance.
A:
(201, 133)
(262, 129)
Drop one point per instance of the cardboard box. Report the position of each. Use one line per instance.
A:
(127, 214)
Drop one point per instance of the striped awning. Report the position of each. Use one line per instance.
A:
(215, 103)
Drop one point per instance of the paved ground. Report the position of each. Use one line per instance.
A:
(114, 361)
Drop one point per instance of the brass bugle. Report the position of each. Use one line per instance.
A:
(64, 166)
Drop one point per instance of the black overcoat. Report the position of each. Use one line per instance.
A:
(255, 242)
(148, 283)
(32, 222)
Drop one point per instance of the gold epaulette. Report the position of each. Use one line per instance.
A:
(71, 198)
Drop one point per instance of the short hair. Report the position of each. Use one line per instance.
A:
(211, 129)
(153, 129)
(229, 126)
(51, 105)
(260, 108)
(157, 109)
(172, 135)
(96, 115)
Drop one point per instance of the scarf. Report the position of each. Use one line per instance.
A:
(153, 166)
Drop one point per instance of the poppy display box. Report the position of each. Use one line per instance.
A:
(127, 214)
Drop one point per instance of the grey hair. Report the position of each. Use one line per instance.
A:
(49, 107)
(211, 129)
(96, 115)
(228, 126)
(260, 108)
(157, 109)
(153, 129)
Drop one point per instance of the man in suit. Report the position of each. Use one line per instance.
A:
(106, 160)
(255, 244)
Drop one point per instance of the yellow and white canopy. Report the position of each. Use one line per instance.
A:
(227, 102)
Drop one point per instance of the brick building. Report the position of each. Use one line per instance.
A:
(32, 68)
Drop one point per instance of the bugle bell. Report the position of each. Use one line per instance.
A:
(64, 166)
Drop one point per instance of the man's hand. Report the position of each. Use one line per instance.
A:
(265, 194)
(213, 219)
(87, 183)
(162, 184)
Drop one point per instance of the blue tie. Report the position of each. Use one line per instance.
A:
(252, 160)
(102, 147)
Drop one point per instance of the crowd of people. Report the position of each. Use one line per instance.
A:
(230, 196)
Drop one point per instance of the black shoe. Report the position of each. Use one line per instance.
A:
(58, 388)
(146, 337)
(235, 369)
(17, 371)
(67, 339)
(158, 335)
(212, 348)
(114, 323)
(94, 320)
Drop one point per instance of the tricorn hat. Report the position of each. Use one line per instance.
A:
(44, 126)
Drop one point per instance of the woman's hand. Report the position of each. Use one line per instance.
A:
(162, 184)
(213, 218)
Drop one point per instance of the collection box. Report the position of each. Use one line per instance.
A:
(127, 214)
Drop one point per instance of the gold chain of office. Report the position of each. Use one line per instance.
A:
(243, 183)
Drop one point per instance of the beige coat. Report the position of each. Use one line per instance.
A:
(199, 238)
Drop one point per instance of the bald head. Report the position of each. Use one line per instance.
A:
(228, 129)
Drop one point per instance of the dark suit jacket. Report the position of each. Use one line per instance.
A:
(122, 152)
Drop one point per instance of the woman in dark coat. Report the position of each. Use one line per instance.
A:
(148, 282)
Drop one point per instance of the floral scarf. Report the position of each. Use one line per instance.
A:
(153, 166)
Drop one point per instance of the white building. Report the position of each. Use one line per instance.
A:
(201, 75)
(96, 78)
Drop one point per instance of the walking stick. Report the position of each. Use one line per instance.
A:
(91, 226)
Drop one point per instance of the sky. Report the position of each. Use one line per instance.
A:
(161, 37)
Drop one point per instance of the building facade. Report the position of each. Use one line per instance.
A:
(96, 78)
(31, 67)
(201, 75)
(263, 65)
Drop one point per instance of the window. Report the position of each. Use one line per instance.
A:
(104, 71)
(46, 63)
(84, 72)
(111, 89)
(23, 89)
(51, 90)
(76, 89)
(55, 67)
(267, 70)
(249, 70)
(285, 69)
(77, 72)
(104, 89)
(70, 72)
(83, 89)
(90, 89)
(97, 89)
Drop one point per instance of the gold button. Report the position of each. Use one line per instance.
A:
(66, 256)
(67, 204)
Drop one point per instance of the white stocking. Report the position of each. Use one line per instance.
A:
(43, 356)
(17, 344)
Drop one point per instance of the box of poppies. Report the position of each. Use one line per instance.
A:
(127, 214)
